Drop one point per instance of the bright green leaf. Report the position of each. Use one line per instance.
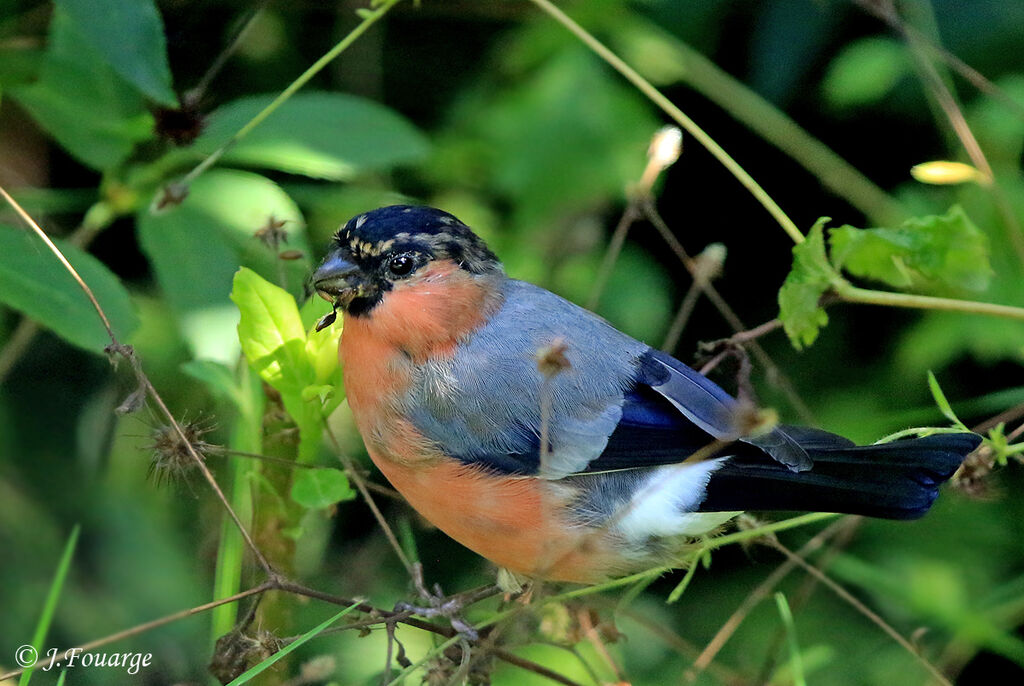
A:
(324, 135)
(317, 488)
(33, 282)
(799, 309)
(82, 102)
(130, 36)
(271, 332)
(925, 253)
(865, 71)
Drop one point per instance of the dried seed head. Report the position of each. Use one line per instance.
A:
(172, 458)
(272, 234)
(552, 359)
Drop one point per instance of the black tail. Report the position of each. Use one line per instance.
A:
(898, 480)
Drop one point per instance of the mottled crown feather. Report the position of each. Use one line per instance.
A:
(416, 227)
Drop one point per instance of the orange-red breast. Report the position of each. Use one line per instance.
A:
(440, 349)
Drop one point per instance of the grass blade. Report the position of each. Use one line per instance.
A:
(795, 660)
(255, 670)
(51, 599)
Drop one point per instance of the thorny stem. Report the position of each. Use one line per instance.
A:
(655, 96)
(370, 17)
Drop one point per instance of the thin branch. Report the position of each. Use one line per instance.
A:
(874, 617)
(153, 624)
(357, 479)
(370, 17)
(655, 96)
(611, 255)
(126, 351)
(774, 373)
(754, 598)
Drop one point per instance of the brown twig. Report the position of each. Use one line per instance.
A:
(153, 624)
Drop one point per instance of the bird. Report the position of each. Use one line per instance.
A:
(601, 457)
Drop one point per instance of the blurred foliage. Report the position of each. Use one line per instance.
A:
(495, 112)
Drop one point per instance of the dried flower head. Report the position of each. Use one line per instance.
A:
(172, 457)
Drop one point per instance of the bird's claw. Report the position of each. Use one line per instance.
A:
(439, 605)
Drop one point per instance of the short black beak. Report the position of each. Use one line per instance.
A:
(337, 280)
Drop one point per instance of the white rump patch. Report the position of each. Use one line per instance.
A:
(664, 505)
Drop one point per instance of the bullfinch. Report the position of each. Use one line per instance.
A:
(640, 452)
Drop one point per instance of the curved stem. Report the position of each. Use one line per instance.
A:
(853, 294)
(655, 96)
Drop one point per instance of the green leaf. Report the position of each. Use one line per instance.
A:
(317, 488)
(811, 276)
(865, 71)
(323, 135)
(196, 248)
(82, 102)
(249, 674)
(33, 282)
(931, 253)
(50, 606)
(940, 400)
(130, 36)
(271, 333)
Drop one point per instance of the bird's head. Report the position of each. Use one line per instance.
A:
(398, 248)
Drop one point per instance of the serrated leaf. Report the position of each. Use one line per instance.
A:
(81, 101)
(317, 488)
(811, 276)
(323, 135)
(33, 282)
(130, 36)
(930, 253)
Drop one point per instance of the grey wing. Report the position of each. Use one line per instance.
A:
(484, 405)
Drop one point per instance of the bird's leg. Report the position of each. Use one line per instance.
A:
(440, 605)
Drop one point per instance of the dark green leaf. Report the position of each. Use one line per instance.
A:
(927, 253)
(811, 275)
(197, 247)
(82, 102)
(130, 36)
(33, 282)
(325, 135)
(316, 488)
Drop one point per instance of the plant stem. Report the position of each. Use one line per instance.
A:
(777, 128)
(655, 96)
(853, 294)
(370, 17)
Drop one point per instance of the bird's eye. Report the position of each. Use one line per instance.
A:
(400, 265)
